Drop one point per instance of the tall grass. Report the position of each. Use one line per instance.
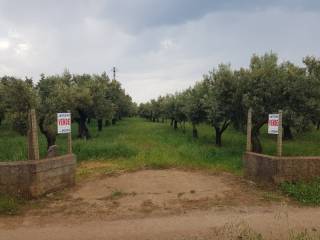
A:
(137, 143)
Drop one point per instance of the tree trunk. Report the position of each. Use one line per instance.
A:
(171, 123)
(194, 131)
(255, 140)
(218, 136)
(107, 123)
(175, 124)
(114, 121)
(318, 125)
(287, 133)
(48, 133)
(100, 121)
(83, 130)
(219, 129)
(51, 139)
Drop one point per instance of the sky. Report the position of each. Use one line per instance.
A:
(157, 46)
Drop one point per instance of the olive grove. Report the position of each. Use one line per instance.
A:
(222, 98)
(86, 96)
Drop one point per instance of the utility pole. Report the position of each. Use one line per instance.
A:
(114, 73)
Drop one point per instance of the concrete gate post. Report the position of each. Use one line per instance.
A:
(33, 143)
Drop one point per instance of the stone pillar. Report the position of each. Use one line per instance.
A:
(249, 130)
(70, 138)
(279, 140)
(33, 144)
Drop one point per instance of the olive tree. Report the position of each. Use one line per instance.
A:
(54, 94)
(263, 92)
(19, 97)
(221, 84)
(2, 102)
(313, 75)
(102, 107)
(195, 105)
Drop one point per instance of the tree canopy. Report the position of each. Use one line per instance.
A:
(223, 97)
(86, 96)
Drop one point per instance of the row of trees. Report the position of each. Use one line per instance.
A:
(224, 96)
(86, 96)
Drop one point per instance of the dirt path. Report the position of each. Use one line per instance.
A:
(163, 204)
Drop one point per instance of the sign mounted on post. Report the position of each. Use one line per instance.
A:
(273, 124)
(64, 123)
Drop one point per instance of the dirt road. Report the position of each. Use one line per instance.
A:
(163, 204)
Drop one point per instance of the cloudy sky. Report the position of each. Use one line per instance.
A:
(158, 46)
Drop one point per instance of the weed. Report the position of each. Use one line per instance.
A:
(9, 205)
(117, 194)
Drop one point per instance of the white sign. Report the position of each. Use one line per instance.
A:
(64, 123)
(273, 124)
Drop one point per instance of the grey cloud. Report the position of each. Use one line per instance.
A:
(158, 46)
(140, 14)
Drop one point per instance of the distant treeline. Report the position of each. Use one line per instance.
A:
(86, 96)
(224, 96)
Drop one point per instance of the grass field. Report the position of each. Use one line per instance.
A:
(137, 143)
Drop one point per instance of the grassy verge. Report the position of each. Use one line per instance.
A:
(306, 193)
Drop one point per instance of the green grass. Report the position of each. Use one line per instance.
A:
(8, 205)
(306, 193)
(303, 144)
(136, 143)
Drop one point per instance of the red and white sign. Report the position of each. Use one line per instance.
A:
(64, 123)
(273, 124)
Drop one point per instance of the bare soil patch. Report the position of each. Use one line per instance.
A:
(159, 204)
(147, 193)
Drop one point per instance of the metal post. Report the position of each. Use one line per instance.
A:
(279, 140)
(249, 130)
(69, 139)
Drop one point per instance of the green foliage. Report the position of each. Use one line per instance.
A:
(18, 97)
(2, 102)
(55, 97)
(306, 193)
(86, 96)
(224, 96)
(195, 103)
(102, 107)
(221, 101)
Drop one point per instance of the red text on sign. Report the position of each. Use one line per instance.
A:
(64, 122)
(273, 122)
